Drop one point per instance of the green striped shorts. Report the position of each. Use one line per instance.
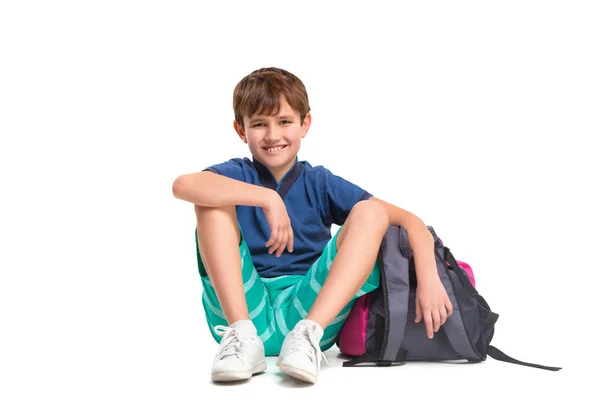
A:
(276, 304)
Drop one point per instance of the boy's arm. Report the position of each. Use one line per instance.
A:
(208, 189)
(432, 303)
(419, 237)
(212, 190)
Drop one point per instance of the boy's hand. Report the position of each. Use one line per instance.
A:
(281, 227)
(433, 304)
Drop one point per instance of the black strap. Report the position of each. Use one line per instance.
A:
(361, 359)
(448, 256)
(491, 319)
(373, 358)
(500, 356)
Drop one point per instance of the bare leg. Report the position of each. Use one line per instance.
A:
(218, 242)
(358, 244)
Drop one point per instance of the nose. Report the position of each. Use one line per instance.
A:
(272, 134)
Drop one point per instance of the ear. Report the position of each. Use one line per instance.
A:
(240, 131)
(306, 124)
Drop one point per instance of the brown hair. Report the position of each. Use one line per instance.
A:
(260, 92)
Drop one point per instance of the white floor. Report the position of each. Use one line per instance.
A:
(155, 352)
(491, 379)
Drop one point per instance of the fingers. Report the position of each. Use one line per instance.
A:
(273, 239)
(443, 316)
(433, 320)
(283, 242)
(428, 325)
(436, 319)
(281, 227)
(280, 238)
(291, 240)
(433, 313)
(418, 314)
(449, 308)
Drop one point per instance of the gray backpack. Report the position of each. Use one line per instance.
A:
(381, 329)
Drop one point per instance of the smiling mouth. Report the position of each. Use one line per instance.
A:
(275, 149)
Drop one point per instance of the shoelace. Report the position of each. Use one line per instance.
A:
(312, 348)
(232, 343)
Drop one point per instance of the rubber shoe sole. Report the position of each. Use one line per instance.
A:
(297, 373)
(231, 376)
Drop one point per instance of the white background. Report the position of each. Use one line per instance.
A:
(479, 117)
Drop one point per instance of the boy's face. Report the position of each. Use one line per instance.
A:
(274, 140)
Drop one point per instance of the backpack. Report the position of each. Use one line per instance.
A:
(380, 328)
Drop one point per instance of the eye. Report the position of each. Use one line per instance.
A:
(258, 124)
(286, 122)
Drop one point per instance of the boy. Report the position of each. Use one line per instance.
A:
(274, 280)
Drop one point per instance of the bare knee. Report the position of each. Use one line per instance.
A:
(208, 217)
(370, 214)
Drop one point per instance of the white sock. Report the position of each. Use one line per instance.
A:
(311, 323)
(245, 326)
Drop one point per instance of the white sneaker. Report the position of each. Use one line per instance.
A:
(300, 355)
(241, 353)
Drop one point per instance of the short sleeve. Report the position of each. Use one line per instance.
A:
(340, 196)
(231, 169)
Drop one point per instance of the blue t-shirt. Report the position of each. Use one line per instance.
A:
(314, 198)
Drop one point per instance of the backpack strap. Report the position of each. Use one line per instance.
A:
(449, 257)
(500, 356)
(395, 254)
(376, 360)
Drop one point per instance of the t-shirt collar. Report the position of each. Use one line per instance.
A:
(267, 179)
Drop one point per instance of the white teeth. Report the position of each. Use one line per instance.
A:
(274, 149)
